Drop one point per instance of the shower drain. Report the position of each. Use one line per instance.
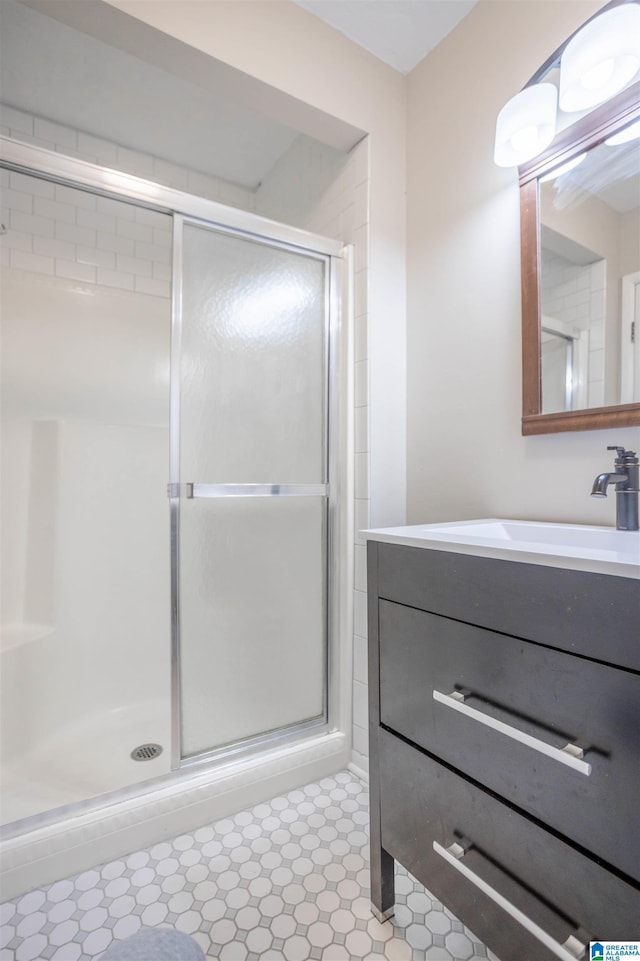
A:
(146, 752)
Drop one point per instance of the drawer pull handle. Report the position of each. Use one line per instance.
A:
(572, 948)
(570, 754)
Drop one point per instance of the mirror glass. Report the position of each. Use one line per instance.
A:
(590, 279)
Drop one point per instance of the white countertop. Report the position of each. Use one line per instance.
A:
(601, 550)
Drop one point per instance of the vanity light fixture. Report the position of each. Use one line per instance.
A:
(632, 132)
(526, 125)
(601, 59)
(564, 169)
(596, 63)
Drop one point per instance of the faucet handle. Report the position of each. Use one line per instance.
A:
(626, 456)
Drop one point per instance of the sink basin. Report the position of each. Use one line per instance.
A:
(598, 549)
(531, 532)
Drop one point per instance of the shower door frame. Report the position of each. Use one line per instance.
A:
(270, 234)
(103, 181)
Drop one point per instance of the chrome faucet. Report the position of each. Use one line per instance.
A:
(625, 477)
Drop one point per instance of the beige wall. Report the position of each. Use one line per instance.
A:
(466, 455)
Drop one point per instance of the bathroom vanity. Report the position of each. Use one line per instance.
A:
(504, 700)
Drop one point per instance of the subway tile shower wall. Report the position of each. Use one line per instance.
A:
(335, 202)
(64, 232)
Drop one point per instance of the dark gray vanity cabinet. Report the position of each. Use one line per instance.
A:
(504, 704)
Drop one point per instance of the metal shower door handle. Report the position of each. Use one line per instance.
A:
(256, 490)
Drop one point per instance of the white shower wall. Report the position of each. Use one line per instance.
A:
(85, 435)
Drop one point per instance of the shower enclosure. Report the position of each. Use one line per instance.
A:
(170, 486)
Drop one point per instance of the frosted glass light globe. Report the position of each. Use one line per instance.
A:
(601, 59)
(526, 125)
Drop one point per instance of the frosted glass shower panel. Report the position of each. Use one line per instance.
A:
(254, 494)
(253, 361)
(253, 600)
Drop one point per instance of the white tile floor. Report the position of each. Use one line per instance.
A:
(285, 880)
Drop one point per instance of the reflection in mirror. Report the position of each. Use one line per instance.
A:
(630, 367)
(564, 355)
(580, 232)
(589, 279)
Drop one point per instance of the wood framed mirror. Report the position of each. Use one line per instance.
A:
(580, 255)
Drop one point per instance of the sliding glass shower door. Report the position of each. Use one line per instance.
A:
(250, 487)
(257, 519)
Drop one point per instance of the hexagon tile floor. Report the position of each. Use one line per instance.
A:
(285, 880)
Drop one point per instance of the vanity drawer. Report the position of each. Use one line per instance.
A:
(577, 611)
(523, 703)
(558, 890)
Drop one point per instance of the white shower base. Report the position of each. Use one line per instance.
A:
(113, 827)
(85, 759)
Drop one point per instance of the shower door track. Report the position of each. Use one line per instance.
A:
(103, 181)
(62, 169)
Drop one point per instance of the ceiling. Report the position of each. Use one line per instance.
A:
(399, 32)
(124, 94)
